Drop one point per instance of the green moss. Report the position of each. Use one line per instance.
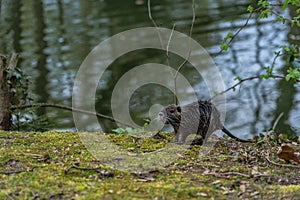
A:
(287, 189)
(57, 165)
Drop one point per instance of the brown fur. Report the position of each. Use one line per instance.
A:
(201, 118)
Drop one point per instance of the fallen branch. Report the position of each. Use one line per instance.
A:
(15, 107)
(281, 165)
(17, 171)
(235, 174)
(104, 173)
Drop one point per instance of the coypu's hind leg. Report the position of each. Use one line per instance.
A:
(197, 141)
(176, 138)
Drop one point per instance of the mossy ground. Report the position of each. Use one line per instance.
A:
(55, 165)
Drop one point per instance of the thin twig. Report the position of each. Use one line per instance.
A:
(276, 121)
(104, 173)
(160, 38)
(190, 41)
(281, 165)
(169, 40)
(189, 51)
(13, 61)
(14, 107)
(278, 15)
(248, 79)
(236, 33)
(75, 166)
(17, 171)
(237, 84)
(167, 55)
(154, 24)
(283, 77)
(0, 7)
(235, 174)
(159, 35)
(276, 4)
(275, 58)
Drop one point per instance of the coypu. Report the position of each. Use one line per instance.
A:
(200, 117)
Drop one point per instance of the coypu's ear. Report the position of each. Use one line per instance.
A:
(178, 108)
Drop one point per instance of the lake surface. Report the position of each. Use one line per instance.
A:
(55, 36)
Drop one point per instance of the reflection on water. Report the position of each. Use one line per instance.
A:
(54, 37)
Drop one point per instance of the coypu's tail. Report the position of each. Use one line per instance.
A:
(234, 137)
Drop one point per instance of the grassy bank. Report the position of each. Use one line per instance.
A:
(53, 165)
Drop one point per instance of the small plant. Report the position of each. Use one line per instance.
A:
(129, 130)
(24, 120)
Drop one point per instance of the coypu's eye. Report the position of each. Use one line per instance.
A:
(172, 111)
(161, 114)
(178, 108)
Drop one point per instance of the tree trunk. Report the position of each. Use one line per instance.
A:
(5, 115)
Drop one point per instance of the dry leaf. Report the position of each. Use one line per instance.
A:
(287, 154)
(255, 171)
(202, 194)
(216, 182)
(243, 188)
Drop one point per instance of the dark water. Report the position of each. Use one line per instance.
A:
(54, 37)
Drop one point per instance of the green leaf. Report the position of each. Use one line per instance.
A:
(224, 46)
(292, 74)
(263, 3)
(229, 35)
(264, 14)
(250, 9)
(119, 130)
(285, 4)
(263, 76)
(277, 53)
(292, 23)
(238, 78)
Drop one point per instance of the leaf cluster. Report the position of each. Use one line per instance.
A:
(25, 120)
(265, 9)
(129, 130)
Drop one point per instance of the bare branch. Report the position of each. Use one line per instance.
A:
(17, 171)
(278, 15)
(276, 121)
(168, 45)
(154, 24)
(190, 41)
(274, 60)
(240, 82)
(248, 79)
(188, 54)
(0, 7)
(15, 107)
(279, 164)
(13, 61)
(236, 33)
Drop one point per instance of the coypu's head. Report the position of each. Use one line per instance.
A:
(170, 115)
